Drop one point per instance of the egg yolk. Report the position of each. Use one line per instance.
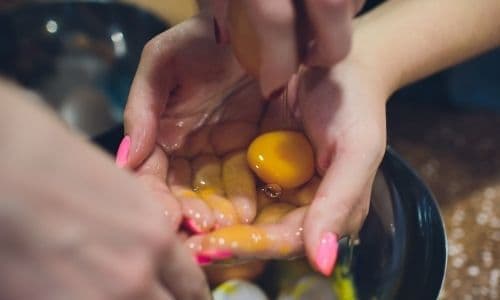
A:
(282, 157)
(247, 238)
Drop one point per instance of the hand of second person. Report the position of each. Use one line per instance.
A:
(272, 26)
(76, 227)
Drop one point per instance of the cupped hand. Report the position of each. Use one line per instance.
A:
(342, 111)
(181, 79)
(76, 227)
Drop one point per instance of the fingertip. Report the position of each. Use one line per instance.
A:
(332, 20)
(326, 253)
(142, 136)
(123, 152)
(321, 55)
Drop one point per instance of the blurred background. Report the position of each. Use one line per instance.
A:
(446, 126)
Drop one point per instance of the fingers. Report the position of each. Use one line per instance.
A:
(197, 214)
(273, 39)
(339, 206)
(148, 95)
(181, 275)
(153, 173)
(239, 184)
(279, 240)
(272, 213)
(223, 210)
(219, 8)
(207, 174)
(332, 22)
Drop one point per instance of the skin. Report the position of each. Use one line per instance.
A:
(342, 108)
(117, 255)
(348, 121)
(66, 235)
(273, 29)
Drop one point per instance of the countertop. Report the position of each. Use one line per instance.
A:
(457, 153)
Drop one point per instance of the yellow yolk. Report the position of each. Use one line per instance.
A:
(247, 238)
(223, 209)
(239, 185)
(273, 213)
(303, 195)
(244, 40)
(207, 174)
(282, 157)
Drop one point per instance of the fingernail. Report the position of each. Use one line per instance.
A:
(203, 260)
(122, 153)
(326, 255)
(191, 225)
(216, 31)
(216, 254)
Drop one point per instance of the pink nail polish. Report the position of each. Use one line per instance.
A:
(191, 225)
(216, 254)
(326, 255)
(203, 260)
(122, 153)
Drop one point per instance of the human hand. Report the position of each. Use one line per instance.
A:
(354, 112)
(180, 80)
(346, 126)
(76, 227)
(343, 112)
(267, 36)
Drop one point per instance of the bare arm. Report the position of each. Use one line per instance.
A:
(407, 40)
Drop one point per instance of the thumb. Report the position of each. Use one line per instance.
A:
(148, 95)
(338, 208)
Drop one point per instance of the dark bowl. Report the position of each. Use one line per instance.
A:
(80, 55)
(402, 251)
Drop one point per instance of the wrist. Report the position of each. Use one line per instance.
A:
(373, 65)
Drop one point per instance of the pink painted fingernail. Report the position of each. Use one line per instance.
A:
(326, 255)
(122, 153)
(203, 260)
(216, 254)
(191, 225)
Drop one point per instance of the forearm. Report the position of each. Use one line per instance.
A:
(407, 40)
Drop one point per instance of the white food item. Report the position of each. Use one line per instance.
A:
(238, 290)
